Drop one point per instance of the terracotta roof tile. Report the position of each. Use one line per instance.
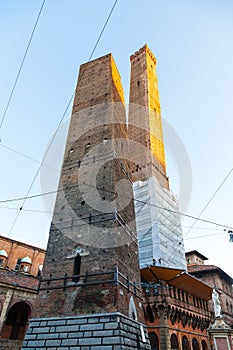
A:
(193, 269)
(199, 268)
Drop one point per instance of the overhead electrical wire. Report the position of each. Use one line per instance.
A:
(144, 203)
(47, 212)
(102, 31)
(52, 192)
(163, 208)
(30, 210)
(21, 66)
(125, 196)
(26, 156)
(61, 120)
(209, 201)
(201, 212)
(203, 236)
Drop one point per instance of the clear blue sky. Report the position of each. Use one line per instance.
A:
(192, 41)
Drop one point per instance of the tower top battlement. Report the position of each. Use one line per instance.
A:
(144, 49)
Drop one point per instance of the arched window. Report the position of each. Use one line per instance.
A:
(154, 341)
(204, 345)
(149, 314)
(195, 345)
(16, 322)
(185, 343)
(174, 342)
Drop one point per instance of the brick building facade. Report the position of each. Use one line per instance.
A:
(21, 264)
(217, 279)
(176, 309)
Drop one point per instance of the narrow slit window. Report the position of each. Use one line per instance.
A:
(76, 269)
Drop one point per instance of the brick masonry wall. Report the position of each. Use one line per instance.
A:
(105, 242)
(94, 332)
(19, 279)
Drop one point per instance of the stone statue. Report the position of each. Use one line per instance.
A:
(217, 305)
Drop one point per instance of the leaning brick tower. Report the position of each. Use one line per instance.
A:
(90, 295)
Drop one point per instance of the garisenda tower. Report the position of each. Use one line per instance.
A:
(105, 223)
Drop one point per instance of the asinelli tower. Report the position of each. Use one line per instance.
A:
(157, 211)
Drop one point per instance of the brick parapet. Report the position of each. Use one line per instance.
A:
(18, 279)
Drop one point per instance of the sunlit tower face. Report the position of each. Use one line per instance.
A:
(145, 124)
(157, 211)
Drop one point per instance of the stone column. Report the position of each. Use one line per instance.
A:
(164, 339)
(5, 307)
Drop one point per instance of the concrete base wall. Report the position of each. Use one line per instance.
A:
(110, 331)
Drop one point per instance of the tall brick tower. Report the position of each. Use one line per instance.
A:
(157, 211)
(90, 292)
(145, 124)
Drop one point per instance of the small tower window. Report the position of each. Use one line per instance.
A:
(87, 146)
(25, 264)
(76, 269)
